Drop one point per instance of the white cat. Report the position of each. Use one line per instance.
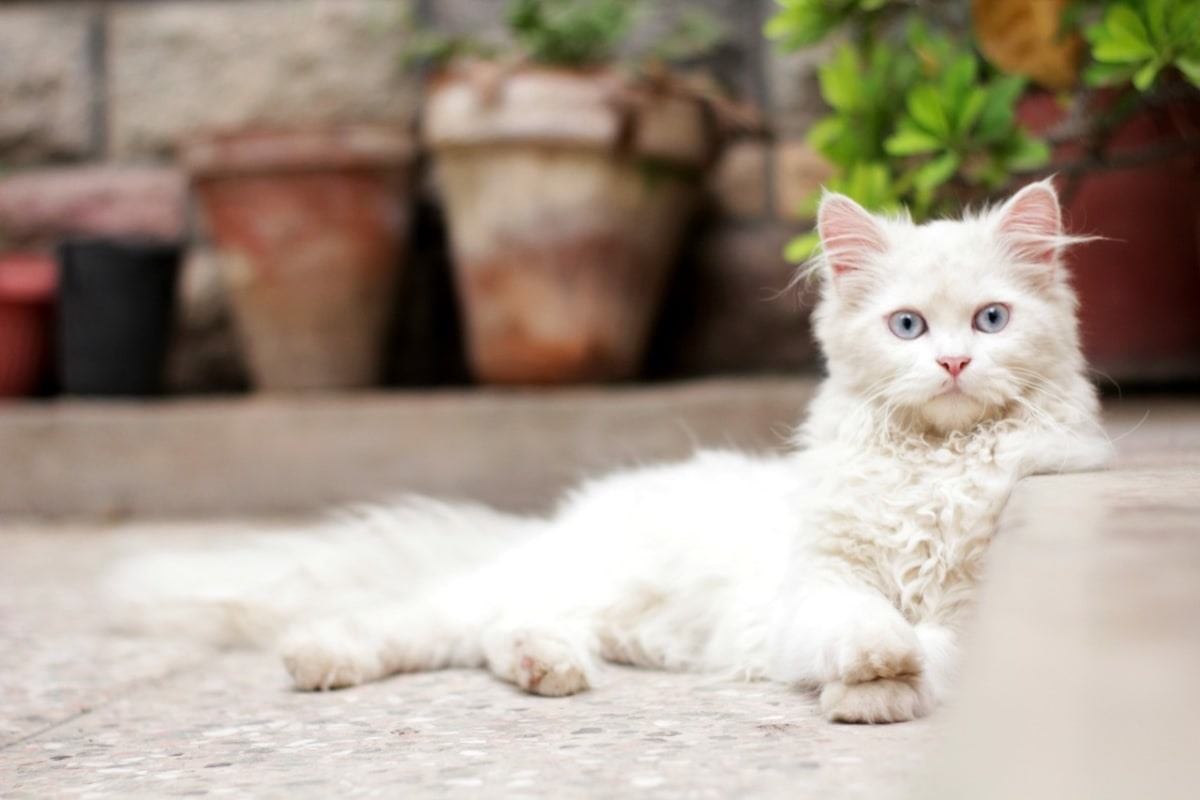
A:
(845, 566)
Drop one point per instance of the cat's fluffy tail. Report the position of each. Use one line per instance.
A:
(248, 593)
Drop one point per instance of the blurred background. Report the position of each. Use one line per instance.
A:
(261, 257)
(95, 99)
(364, 193)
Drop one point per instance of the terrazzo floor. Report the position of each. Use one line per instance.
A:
(89, 714)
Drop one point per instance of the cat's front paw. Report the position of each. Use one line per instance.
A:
(329, 655)
(887, 649)
(879, 674)
(548, 667)
(544, 662)
(878, 701)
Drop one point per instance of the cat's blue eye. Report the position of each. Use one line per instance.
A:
(907, 324)
(991, 318)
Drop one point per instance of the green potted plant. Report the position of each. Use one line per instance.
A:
(567, 179)
(917, 117)
(1127, 146)
(942, 112)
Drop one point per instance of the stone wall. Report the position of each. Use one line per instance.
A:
(113, 83)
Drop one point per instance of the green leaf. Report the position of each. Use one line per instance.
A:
(910, 140)
(959, 78)
(1156, 20)
(932, 52)
(843, 139)
(1116, 51)
(870, 184)
(799, 24)
(922, 202)
(573, 34)
(841, 82)
(1190, 67)
(1120, 37)
(936, 172)
(1029, 154)
(794, 32)
(801, 248)
(1145, 76)
(1123, 22)
(996, 118)
(1185, 28)
(826, 131)
(925, 106)
(971, 108)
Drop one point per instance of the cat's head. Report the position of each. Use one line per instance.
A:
(951, 322)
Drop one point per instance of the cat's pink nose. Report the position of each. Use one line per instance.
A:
(954, 364)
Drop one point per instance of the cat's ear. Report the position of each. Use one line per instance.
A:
(851, 237)
(1030, 223)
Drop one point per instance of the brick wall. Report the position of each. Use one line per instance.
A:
(118, 82)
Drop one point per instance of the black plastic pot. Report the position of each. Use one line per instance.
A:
(116, 306)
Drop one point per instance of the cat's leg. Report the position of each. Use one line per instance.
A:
(552, 659)
(371, 643)
(939, 659)
(852, 643)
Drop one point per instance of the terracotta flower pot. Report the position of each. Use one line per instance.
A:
(566, 195)
(116, 312)
(311, 227)
(1139, 284)
(27, 284)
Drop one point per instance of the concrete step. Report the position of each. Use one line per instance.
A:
(1081, 679)
(273, 455)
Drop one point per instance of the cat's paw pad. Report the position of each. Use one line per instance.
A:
(878, 701)
(548, 667)
(882, 651)
(328, 655)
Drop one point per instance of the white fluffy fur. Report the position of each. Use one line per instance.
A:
(845, 565)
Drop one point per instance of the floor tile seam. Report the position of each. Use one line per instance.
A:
(133, 691)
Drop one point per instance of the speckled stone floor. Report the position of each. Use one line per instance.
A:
(86, 713)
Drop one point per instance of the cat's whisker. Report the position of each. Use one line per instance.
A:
(1132, 430)
(1080, 409)
(858, 416)
(1113, 381)
(1039, 383)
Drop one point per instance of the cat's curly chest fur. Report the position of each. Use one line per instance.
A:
(911, 517)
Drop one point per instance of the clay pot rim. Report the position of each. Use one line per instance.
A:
(273, 149)
(464, 69)
(478, 103)
(30, 278)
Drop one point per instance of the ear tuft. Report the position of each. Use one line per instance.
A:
(850, 236)
(1031, 222)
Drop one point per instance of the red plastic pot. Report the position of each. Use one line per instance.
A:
(1139, 283)
(27, 287)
